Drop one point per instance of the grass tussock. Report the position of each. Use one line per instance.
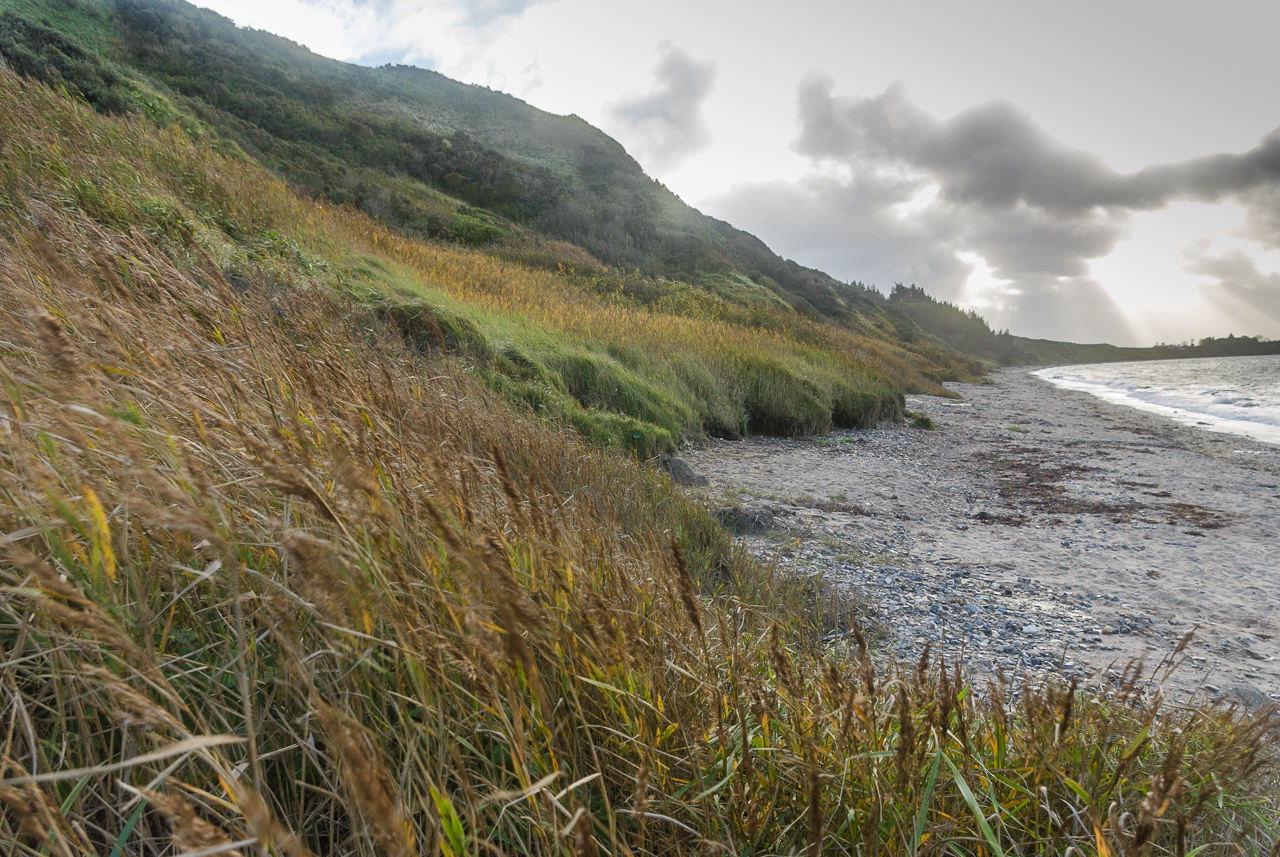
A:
(272, 581)
(921, 420)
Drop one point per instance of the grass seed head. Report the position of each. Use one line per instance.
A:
(40, 821)
(190, 831)
(781, 662)
(686, 589)
(61, 349)
(369, 784)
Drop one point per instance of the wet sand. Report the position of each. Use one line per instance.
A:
(1040, 529)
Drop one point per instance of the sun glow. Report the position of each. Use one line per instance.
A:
(983, 289)
(921, 200)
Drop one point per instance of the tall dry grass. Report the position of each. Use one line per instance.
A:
(678, 368)
(272, 582)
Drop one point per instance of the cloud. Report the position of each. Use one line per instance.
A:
(666, 125)
(449, 35)
(1249, 296)
(1036, 210)
(473, 14)
(485, 13)
(531, 76)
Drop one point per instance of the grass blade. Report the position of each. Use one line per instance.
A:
(967, 794)
(926, 798)
(188, 746)
(118, 849)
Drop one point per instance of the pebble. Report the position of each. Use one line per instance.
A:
(941, 606)
(920, 585)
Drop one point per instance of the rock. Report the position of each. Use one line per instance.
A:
(682, 473)
(973, 609)
(1249, 695)
(1031, 629)
(1257, 656)
(744, 521)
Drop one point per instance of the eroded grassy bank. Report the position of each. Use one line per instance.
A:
(631, 371)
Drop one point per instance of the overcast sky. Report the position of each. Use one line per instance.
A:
(1091, 171)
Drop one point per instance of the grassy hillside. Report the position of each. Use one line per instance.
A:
(626, 360)
(431, 157)
(276, 577)
(421, 153)
(632, 359)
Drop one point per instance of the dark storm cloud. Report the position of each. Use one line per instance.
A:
(1035, 209)
(1252, 176)
(666, 124)
(994, 156)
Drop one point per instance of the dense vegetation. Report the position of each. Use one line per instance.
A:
(434, 158)
(632, 358)
(406, 145)
(276, 578)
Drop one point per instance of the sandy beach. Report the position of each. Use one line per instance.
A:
(1041, 530)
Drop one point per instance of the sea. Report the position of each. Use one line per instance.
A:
(1235, 395)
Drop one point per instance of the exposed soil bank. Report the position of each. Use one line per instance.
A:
(1038, 529)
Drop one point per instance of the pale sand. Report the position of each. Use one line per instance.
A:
(1092, 501)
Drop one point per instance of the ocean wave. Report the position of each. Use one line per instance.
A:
(1237, 395)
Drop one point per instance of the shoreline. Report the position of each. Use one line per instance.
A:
(1261, 432)
(1038, 528)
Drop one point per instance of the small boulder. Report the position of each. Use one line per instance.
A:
(746, 521)
(681, 473)
(1250, 696)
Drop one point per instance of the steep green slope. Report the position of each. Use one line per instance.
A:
(629, 361)
(404, 144)
(436, 158)
(628, 355)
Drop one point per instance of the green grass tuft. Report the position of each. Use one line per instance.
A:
(921, 421)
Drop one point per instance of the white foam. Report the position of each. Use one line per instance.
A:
(1232, 395)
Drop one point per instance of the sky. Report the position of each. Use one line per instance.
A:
(1091, 171)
